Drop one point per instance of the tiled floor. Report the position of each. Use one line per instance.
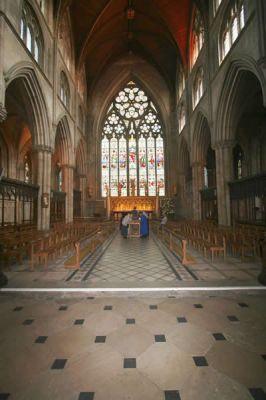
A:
(137, 263)
(140, 348)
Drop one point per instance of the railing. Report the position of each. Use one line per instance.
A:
(18, 202)
(174, 241)
(248, 200)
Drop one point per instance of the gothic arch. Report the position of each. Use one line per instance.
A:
(80, 157)
(225, 117)
(144, 77)
(184, 156)
(201, 139)
(63, 143)
(25, 74)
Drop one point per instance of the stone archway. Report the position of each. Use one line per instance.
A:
(242, 94)
(62, 177)
(201, 147)
(25, 103)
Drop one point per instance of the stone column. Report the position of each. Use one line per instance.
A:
(42, 155)
(68, 174)
(3, 113)
(197, 185)
(83, 188)
(224, 174)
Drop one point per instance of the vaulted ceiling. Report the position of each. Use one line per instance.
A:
(105, 30)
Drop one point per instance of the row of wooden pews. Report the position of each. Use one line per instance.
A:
(18, 243)
(240, 241)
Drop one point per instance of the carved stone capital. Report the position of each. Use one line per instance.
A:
(3, 113)
(224, 144)
(42, 148)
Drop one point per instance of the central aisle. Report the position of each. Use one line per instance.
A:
(134, 261)
(131, 260)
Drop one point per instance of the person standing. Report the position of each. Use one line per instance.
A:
(144, 225)
(124, 227)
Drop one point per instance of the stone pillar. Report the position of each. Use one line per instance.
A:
(3, 113)
(224, 174)
(68, 175)
(83, 188)
(42, 157)
(197, 185)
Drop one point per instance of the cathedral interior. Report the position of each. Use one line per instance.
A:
(132, 199)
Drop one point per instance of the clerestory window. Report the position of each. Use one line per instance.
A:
(197, 38)
(64, 90)
(30, 33)
(198, 87)
(233, 25)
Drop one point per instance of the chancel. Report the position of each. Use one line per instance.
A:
(132, 199)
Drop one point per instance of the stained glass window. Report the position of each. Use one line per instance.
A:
(132, 146)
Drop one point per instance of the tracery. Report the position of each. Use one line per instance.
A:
(132, 146)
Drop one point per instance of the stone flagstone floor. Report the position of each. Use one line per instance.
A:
(140, 348)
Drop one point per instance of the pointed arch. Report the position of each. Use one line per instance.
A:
(63, 143)
(201, 138)
(132, 145)
(226, 120)
(80, 157)
(25, 74)
(183, 158)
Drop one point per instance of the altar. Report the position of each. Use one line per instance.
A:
(134, 229)
(121, 204)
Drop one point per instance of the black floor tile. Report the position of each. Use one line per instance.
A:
(100, 339)
(28, 321)
(129, 363)
(243, 305)
(18, 308)
(232, 318)
(108, 308)
(200, 361)
(218, 336)
(86, 396)
(4, 396)
(62, 308)
(130, 321)
(90, 298)
(160, 338)
(198, 305)
(264, 357)
(181, 320)
(257, 394)
(79, 322)
(41, 339)
(59, 363)
(153, 307)
(172, 395)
